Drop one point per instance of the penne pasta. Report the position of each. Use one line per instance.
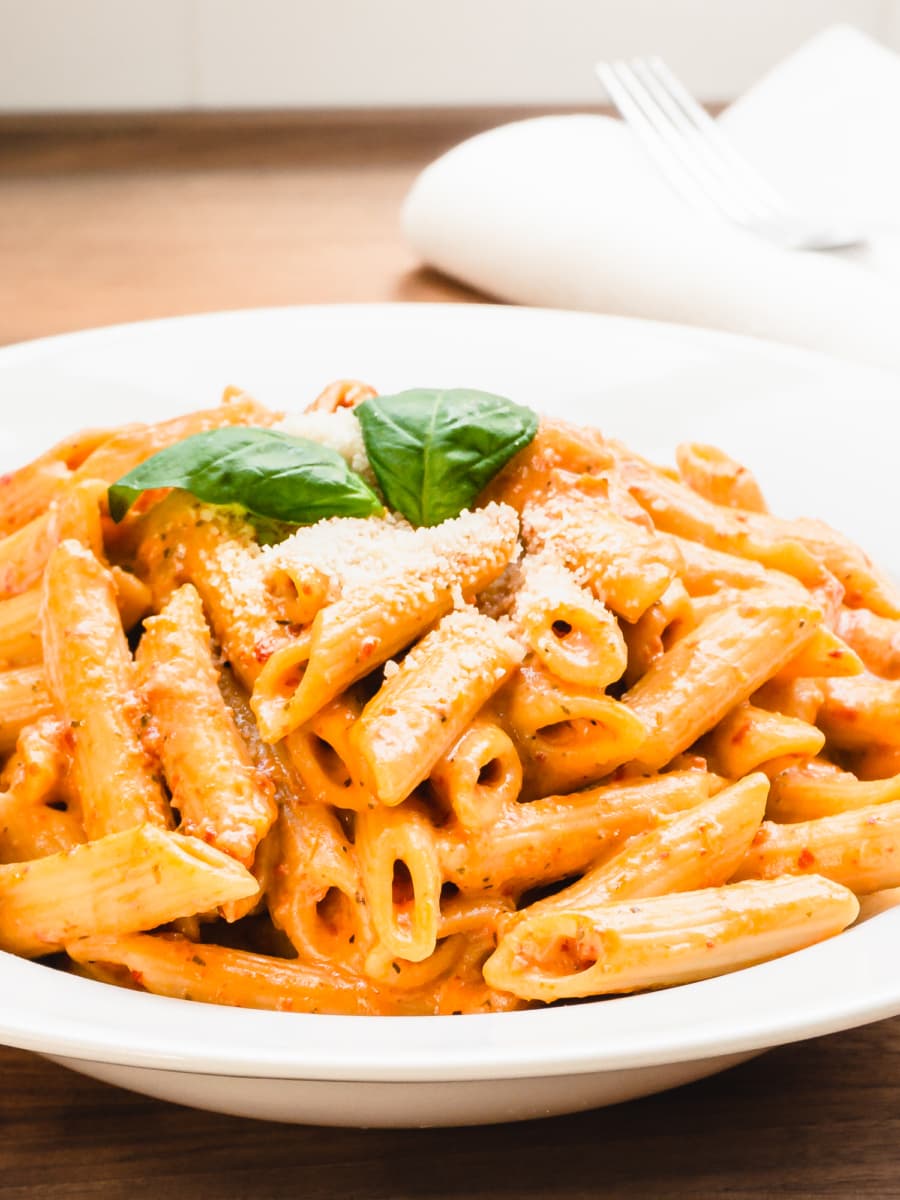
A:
(91, 679)
(676, 509)
(859, 712)
(823, 656)
(875, 639)
(567, 737)
(20, 630)
(663, 940)
(859, 848)
(219, 794)
(623, 564)
(647, 640)
(700, 847)
(716, 476)
(322, 562)
(343, 393)
(367, 625)
(719, 664)
(422, 709)
(263, 868)
(171, 965)
(612, 727)
(710, 573)
(801, 548)
(273, 766)
(877, 762)
(38, 814)
(133, 598)
(401, 873)
(427, 975)
(465, 991)
(24, 554)
(559, 836)
(475, 912)
(181, 541)
(29, 491)
(573, 634)
(24, 699)
(272, 762)
(322, 757)
(749, 738)
(557, 446)
(798, 698)
(297, 592)
(480, 777)
(121, 883)
(316, 895)
(20, 618)
(805, 791)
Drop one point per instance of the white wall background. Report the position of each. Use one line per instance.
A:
(189, 54)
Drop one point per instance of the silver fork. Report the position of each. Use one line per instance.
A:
(700, 162)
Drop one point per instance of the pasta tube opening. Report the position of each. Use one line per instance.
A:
(666, 940)
(481, 776)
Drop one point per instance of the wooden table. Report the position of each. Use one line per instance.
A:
(106, 220)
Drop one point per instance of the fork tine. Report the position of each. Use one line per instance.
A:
(698, 160)
(700, 143)
(634, 116)
(759, 187)
(714, 160)
(679, 158)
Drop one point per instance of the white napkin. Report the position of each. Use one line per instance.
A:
(571, 212)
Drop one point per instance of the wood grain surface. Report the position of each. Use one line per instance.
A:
(813, 1120)
(107, 219)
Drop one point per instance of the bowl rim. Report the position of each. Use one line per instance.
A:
(771, 1004)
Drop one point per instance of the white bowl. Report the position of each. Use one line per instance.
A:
(822, 437)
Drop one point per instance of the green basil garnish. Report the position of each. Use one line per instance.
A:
(270, 474)
(434, 451)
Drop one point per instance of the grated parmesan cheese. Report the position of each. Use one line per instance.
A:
(357, 553)
(339, 430)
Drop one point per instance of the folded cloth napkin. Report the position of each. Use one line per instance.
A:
(571, 212)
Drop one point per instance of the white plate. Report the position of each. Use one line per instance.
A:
(822, 436)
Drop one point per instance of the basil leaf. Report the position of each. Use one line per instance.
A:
(270, 474)
(434, 451)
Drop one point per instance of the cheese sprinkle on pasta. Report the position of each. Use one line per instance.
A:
(644, 736)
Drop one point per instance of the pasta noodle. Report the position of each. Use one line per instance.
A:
(220, 796)
(92, 680)
(368, 624)
(38, 811)
(859, 848)
(875, 639)
(573, 634)
(567, 736)
(806, 790)
(623, 947)
(120, 883)
(714, 475)
(420, 711)
(612, 727)
(723, 661)
(317, 893)
(748, 738)
(700, 847)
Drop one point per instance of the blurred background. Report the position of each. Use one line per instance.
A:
(167, 156)
(64, 55)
